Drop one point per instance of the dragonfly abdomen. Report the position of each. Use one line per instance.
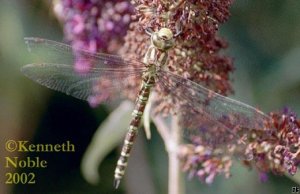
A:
(137, 114)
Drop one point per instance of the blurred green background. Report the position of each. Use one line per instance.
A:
(264, 39)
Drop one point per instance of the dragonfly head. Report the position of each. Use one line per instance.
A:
(163, 39)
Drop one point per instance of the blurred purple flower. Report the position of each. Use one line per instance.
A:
(263, 177)
(94, 26)
(204, 161)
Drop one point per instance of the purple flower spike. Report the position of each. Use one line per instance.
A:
(278, 144)
(94, 26)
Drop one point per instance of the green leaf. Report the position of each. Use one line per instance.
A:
(106, 138)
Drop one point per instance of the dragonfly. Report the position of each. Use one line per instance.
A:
(203, 113)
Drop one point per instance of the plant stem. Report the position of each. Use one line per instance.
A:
(172, 140)
(176, 183)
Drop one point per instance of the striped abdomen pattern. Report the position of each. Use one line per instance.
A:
(148, 82)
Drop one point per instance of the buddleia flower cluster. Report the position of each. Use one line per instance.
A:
(274, 148)
(196, 53)
(93, 26)
(277, 148)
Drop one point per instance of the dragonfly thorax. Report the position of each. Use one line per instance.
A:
(157, 53)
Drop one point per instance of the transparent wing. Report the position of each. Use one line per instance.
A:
(98, 82)
(55, 52)
(107, 77)
(207, 117)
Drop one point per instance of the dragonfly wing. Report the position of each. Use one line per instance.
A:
(214, 119)
(55, 52)
(98, 82)
(107, 76)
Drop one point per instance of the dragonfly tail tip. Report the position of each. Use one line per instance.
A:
(117, 183)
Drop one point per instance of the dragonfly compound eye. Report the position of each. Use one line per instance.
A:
(165, 33)
(163, 39)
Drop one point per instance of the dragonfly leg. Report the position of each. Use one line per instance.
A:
(149, 31)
